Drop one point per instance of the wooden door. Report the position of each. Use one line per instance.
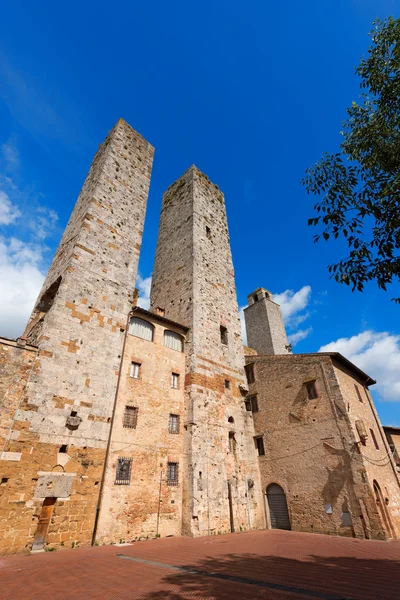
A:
(278, 509)
(43, 524)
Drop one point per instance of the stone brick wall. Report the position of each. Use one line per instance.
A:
(193, 280)
(78, 324)
(310, 445)
(376, 460)
(132, 511)
(264, 324)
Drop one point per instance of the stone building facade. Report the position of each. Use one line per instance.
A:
(321, 446)
(119, 423)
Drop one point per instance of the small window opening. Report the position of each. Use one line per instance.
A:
(135, 370)
(232, 442)
(224, 335)
(47, 299)
(174, 424)
(374, 439)
(311, 388)
(175, 381)
(173, 473)
(73, 413)
(358, 392)
(4, 481)
(249, 370)
(123, 472)
(259, 443)
(208, 232)
(130, 417)
(63, 449)
(251, 404)
(255, 298)
(227, 384)
(231, 420)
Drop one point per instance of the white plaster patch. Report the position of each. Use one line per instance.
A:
(15, 456)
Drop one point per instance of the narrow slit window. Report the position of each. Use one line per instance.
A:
(232, 442)
(174, 423)
(227, 384)
(135, 370)
(175, 381)
(311, 388)
(374, 439)
(259, 442)
(173, 473)
(123, 472)
(358, 392)
(224, 335)
(130, 417)
(253, 403)
(249, 370)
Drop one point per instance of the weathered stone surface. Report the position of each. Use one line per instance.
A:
(193, 281)
(264, 324)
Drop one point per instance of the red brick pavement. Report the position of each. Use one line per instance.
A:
(261, 564)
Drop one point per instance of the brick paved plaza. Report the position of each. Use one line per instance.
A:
(260, 564)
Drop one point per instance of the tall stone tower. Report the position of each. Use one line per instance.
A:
(60, 429)
(264, 324)
(193, 281)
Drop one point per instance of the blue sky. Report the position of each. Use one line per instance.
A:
(252, 93)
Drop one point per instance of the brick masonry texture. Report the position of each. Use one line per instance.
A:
(193, 281)
(78, 324)
(313, 451)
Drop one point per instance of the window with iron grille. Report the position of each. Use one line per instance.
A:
(175, 381)
(358, 393)
(174, 423)
(249, 369)
(173, 473)
(130, 416)
(259, 442)
(311, 388)
(123, 473)
(134, 370)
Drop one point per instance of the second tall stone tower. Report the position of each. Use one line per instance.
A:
(193, 281)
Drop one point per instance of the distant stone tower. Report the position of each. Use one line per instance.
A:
(61, 427)
(264, 324)
(193, 281)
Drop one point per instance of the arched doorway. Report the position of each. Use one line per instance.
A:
(383, 511)
(278, 509)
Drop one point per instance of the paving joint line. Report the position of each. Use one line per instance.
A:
(234, 578)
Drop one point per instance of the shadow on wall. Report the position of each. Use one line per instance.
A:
(255, 576)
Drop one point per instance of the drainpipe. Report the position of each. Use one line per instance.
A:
(98, 507)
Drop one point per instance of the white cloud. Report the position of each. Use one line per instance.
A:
(10, 155)
(144, 286)
(43, 223)
(8, 211)
(292, 304)
(300, 334)
(378, 355)
(21, 280)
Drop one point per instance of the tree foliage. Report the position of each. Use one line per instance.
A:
(360, 185)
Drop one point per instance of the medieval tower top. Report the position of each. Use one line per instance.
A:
(264, 324)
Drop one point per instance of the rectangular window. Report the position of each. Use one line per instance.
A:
(259, 442)
(135, 370)
(374, 438)
(130, 417)
(123, 473)
(174, 423)
(224, 335)
(173, 473)
(254, 403)
(358, 392)
(249, 369)
(175, 381)
(311, 388)
(227, 384)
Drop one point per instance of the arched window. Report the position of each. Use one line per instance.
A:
(173, 340)
(141, 329)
